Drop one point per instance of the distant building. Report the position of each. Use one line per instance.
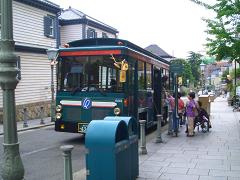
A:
(155, 49)
(75, 25)
(35, 29)
(214, 71)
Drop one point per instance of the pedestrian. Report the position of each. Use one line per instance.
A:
(191, 109)
(181, 107)
(170, 101)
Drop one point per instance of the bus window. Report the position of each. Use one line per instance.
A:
(141, 78)
(149, 76)
(88, 73)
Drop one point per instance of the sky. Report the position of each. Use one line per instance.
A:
(174, 25)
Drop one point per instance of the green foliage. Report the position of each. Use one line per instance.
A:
(187, 72)
(225, 73)
(232, 73)
(194, 61)
(224, 29)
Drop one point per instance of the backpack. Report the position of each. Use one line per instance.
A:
(180, 104)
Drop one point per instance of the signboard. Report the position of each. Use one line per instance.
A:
(180, 80)
(176, 68)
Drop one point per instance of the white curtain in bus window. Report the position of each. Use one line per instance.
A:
(141, 80)
(149, 76)
(103, 76)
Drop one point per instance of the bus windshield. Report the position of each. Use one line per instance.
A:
(88, 73)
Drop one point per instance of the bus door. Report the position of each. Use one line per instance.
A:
(157, 92)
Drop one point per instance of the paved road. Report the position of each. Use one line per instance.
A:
(41, 155)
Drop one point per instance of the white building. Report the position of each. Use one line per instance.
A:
(37, 26)
(75, 25)
(35, 29)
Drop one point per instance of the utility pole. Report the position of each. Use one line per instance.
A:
(12, 166)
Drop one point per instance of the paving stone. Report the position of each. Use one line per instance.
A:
(174, 159)
(174, 170)
(212, 178)
(223, 157)
(233, 178)
(167, 176)
(195, 152)
(198, 171)
(156, 163)
(157, 158)
(208, 161)
(183, 164)
(224, 173)
(150, 168)
(152, 175)
(234, 167)
(213, 166)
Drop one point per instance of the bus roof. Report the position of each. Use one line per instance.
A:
(110, 44)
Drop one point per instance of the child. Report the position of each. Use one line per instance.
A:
(202, 112)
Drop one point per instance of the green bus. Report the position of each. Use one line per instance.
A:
(107, 77)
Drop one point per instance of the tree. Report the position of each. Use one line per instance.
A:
(224, 29)
(187, 72)
(194, 60)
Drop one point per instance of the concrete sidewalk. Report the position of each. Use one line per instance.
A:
(32, 124)
(206, 156)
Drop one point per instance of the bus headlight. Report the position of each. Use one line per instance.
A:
(58, 116)
(58, 108)
(116, 111)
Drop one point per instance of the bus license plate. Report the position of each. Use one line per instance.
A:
(82, 127)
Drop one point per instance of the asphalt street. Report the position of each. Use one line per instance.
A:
(41, 154)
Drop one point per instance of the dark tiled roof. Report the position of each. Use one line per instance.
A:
(49, 3)
(155, 49)
(42, 4)
(72, 14)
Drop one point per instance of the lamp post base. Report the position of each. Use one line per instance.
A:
(12, 167)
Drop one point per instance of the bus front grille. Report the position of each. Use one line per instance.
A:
(72, 113)
(100, 113)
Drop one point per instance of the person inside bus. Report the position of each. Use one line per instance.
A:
(113, 85)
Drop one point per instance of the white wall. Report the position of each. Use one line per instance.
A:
(35, 85)
(70, 33)
(28, 26)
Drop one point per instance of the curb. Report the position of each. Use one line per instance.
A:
(33, 127)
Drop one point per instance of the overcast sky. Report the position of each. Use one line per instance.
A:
(174, 25)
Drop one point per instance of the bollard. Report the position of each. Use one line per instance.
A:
(66, 152)
(41, 115)
(143, 149)
(25, 115)
(170, 122)
(159, 133)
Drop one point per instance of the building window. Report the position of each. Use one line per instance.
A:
(49, 26)
(91, 33)
(104, 35)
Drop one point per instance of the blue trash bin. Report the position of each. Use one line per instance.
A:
(133, 142)
(107, 144)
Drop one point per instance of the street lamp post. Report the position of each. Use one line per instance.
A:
(12, 166)
(202, 67)
(52, 55)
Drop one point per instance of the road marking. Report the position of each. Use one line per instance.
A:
(37, 151)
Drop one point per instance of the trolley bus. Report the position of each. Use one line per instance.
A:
(107, 77)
